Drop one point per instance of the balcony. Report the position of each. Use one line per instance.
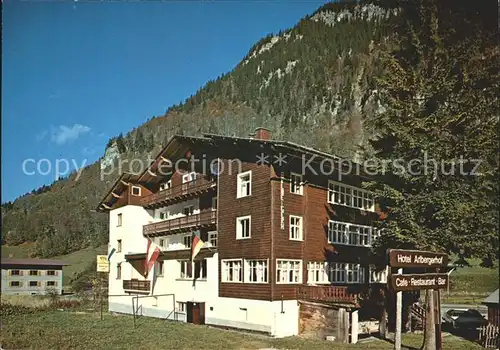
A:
(329, 294)
(187, 223)
(188, 190)
(136, 285)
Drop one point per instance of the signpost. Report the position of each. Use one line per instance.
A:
(415, 258)
(102, 263)
(432, 282)
(402, 282)
(103, 267)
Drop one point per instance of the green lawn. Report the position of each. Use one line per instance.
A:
(470, 285)
(85, 330)
(78, 260)
(18, 251)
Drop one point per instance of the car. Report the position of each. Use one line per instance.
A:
(464, 319)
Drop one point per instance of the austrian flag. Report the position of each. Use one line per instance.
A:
(152, 253)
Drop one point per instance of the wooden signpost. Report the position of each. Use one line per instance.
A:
(103, 268)
(432, 282)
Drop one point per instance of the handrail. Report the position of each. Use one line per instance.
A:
(203, 218)
(183, 189)
(137, 297)
(326, 293)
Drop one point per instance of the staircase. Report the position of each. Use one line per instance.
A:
(417, 315)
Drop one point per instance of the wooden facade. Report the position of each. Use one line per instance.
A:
(270, 205)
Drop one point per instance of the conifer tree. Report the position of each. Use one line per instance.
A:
(440, 97)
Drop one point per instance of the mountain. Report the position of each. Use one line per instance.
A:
(314, 84)
(316, 78)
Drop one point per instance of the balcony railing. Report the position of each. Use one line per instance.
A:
(185, 191)
(186, 223)
(332, 294)
(136, 285)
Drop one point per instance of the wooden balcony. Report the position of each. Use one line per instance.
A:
(205, 219)
(136, 285)
(328, 294)
(183, 192)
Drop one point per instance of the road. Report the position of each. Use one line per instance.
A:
(481, 308)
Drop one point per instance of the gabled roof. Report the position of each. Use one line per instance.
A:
(38, 262)
(178, 144)
(493, 298)
(117, 188)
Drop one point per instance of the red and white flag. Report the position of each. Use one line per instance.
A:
(152, 253)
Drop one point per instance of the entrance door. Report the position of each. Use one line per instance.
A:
(195, 312)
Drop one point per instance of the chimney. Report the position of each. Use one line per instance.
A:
(262, 134)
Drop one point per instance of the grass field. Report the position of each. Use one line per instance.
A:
(470, 285)
(85, 330)
(78, 260)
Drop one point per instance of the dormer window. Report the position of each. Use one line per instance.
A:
(136, 191)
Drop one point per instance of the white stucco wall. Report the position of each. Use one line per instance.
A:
(265, 316)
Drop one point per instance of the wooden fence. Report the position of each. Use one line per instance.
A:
(488, 337)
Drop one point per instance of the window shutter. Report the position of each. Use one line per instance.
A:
(10, 272)
(39, 273)
(57, 273)
(38, 284)
(21, 272)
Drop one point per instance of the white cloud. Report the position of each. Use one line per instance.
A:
(64, 134)
(41, 135)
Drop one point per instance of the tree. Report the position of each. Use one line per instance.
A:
(121, 144)
(440, 97)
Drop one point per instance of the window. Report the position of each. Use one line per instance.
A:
(34, 283)
(162, 243)
(181, 306)
(288, 271)
(350, 196)
(119, 222)
(15, 273)
(231, 271)
(119, 246)
(164, 215)
(159, 268)
(323, 272)
(296, 183)
(244, 184)
(317, 272)
(51, 283)
(296, 228)
(256, 271)
(199, 268)
(136, 191)
(51, 273)
(188, 177)
(189, 210)
(243, 227)
(166, 185)
(346, 273)
(187, 241)
(351, 234)
(118, 271)
(34, 273)
(212, 238)
(15, 284)
(186, 269)
(214, 203)
(377, 275)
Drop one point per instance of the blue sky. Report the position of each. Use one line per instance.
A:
(75, 74)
